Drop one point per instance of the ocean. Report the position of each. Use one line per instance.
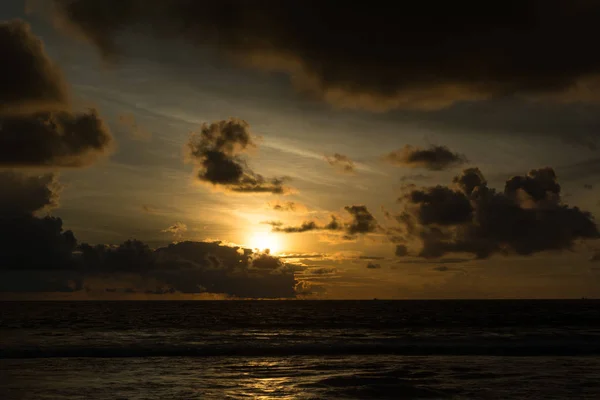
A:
(504, 349)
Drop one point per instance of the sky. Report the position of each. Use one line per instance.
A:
(191, 150)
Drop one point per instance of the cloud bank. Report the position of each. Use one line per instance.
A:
(469, 217)
(425, 57)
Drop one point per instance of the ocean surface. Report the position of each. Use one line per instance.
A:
(300, 350)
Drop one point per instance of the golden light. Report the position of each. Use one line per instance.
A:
(265, 240)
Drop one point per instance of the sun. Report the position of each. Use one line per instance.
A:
(265, 241)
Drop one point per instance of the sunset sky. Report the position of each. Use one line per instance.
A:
(439, 153)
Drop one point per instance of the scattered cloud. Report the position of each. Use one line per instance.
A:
(217, 152)
(433, 158)
(341, 162)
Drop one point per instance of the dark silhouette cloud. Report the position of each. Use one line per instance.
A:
(373, 266)
(433, 158)
(217, 151)
(39, 256)
(287, 206)
(29, 242)
(32, 82)
(361, 222)
(588, 186)
(441, 268)
(401, 250)
(27, 194)
(366, 56)
(37, 129)
(57, 139)
(341, 162)
(526, 218)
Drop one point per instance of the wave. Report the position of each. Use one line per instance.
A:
(548, 348)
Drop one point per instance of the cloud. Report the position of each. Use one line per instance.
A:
(433, 158)
(361, 222)
(58, 139)
(444, 55)
(147, 208)
(27, 194)
(217, 152)
(178, 229)
(290, 206)
(320, 271)
(373, 266)
(37, 129)
(341, 162)
(441, 268)
(35, 251)
(401, 250)
(469, 217)
(415, 177)
(32, 81)
(38, 255)
(137, 132)
(588, 186)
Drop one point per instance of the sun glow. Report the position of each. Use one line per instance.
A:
(265, 241)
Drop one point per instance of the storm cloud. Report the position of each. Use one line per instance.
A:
(37, 127)
(528, 217)
(433, 158)
(217, 152)
(57, 139)
(424, 57)
(32, 81)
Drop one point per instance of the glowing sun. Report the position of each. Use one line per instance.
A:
(265, 240)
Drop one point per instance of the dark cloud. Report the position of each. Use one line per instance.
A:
(32, 82)
(37, 255)
(588, 186)
(286, 206)
(373, 266)
(441, 268)
(341, 163)
(362, 222)
(401, 250)
(27, 194)
(374, 258)
(320, 271)
(433, 158)
(527, 217)
(29, 242)
(36, 127)
(57, 139)
(217, 151)
(302, 255)
(416, 177)
(367, 56)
